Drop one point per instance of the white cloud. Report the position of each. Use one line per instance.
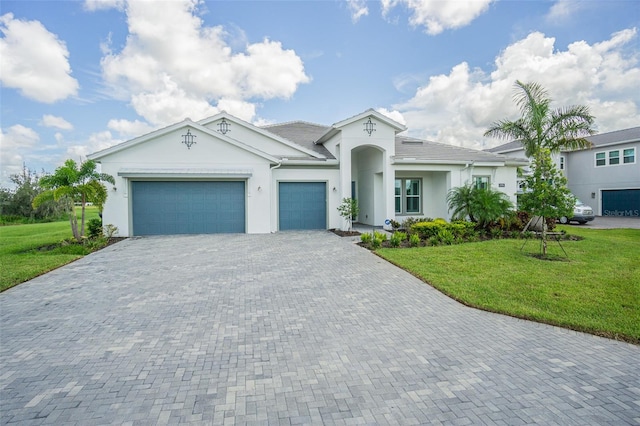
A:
(56, 122)
(173, 66)
(92, 5)
(563, 10)
(34, 61)
(129, 128)
(15, 144)
(358, 9)
(394, 115)
(458, 107)
(438, 15)
(97, 142)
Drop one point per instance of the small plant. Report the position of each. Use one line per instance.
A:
(94, 228)
(414, 240)
(366, 238)
(377, 239)
(397, 238)
(394, 224)
(349, 210)
(110, 230)
(496, 233)
(446, 237)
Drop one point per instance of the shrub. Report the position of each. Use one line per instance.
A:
(414, 240)
(445, 236)
(366, 238)
(397, 238)
(94, 228)
(410, 221)
(394, 224)
(110, 230)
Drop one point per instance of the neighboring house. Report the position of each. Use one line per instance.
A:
(605, 176)
(222, 174)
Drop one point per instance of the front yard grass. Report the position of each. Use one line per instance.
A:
(595, 290)
(21, 253)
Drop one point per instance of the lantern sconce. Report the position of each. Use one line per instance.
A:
(368, 126)
(259, 189)
(188, 139)
(334, 189)
(224, 127)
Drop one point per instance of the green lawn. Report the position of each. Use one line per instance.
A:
(597, 290)
(19, 258)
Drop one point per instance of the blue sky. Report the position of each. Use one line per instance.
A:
(79, 76)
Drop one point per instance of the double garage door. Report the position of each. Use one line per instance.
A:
(621, 202)
(188, 207)
(210, 207)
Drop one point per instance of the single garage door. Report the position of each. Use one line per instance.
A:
(166, 208)
(302, 205)
(621, 202)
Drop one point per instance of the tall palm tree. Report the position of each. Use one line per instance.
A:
(540, 127)
(543, 131)
(71, 184)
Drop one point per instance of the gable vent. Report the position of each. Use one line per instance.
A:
(407, 142)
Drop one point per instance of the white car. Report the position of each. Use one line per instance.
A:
(581, 214)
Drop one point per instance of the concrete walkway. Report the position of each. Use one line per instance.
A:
(290, 328)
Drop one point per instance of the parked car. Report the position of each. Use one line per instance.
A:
(581, 214)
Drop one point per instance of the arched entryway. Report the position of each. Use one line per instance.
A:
(367, 184)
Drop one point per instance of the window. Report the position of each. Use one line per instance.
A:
(614, 157)
(481, 182)
(562, 162)
(629, 156)
(601, 160)
(408, 196)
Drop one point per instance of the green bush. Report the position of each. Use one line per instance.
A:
(397, 238)
(366, 238)
(378, 239)
(459, 229)
(414, 240)
(446, 237)
(94, 228)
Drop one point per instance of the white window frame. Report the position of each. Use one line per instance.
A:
(403, 196)
(616, 155)
(478, 178)
(624, 155)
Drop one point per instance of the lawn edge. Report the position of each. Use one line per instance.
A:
(594, 332)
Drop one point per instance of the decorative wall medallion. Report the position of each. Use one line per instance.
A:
(368, 126)
(188, 139)
(224, 127)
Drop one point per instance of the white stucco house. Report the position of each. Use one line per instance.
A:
(222, 174)
(605, 176)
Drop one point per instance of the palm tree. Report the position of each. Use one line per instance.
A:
(71, 184)
(541, 127)
(481, 205)
(543, 131)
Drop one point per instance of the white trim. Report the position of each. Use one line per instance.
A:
(186, 173)
(620, 157)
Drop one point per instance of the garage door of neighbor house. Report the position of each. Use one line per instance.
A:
(621, 202)
(188, 207)
(302, 205)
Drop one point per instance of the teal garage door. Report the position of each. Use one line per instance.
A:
(302, 205)
(621, 202)
(166, 208)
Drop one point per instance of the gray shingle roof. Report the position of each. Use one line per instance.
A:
(617, 136)
(302, 133)
(407, 147)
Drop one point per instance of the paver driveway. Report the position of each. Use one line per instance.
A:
(289, 328)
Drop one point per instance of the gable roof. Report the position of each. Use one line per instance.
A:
(603, 139)
(335, 128)
(417, 150)
(181, 125)
(292, 143)
(302, 133)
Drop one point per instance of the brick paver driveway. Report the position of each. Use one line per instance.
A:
(289, 328)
